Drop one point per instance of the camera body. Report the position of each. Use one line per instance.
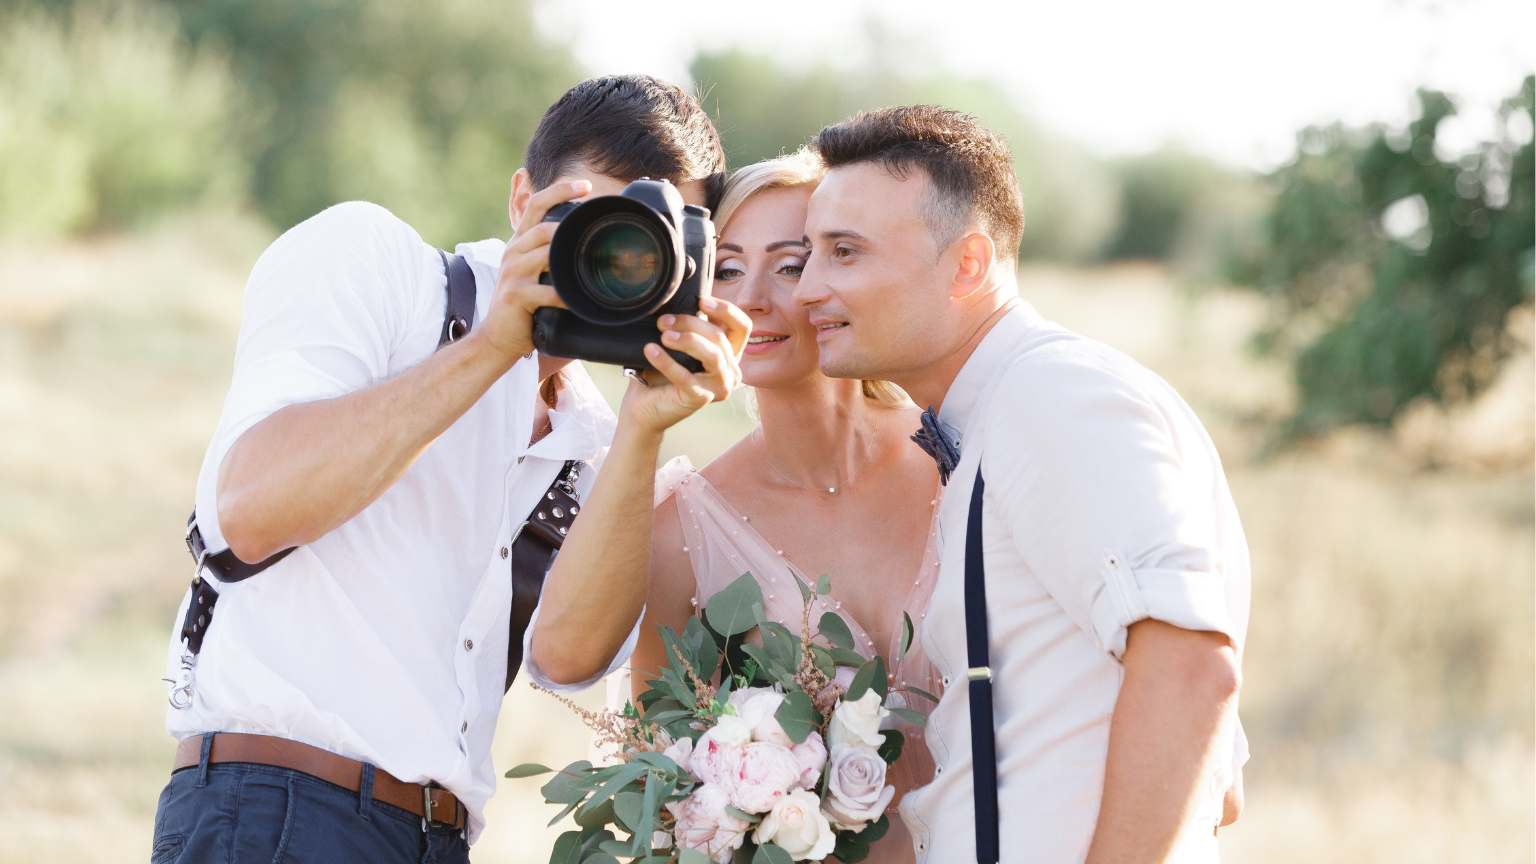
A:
(619, 262)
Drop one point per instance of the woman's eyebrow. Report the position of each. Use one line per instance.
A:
(730, 247)
(780, 244)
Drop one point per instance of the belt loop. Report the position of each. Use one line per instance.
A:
(202, 759)
(365, 792)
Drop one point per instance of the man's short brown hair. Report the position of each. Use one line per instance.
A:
(968, 166)
(628, 126)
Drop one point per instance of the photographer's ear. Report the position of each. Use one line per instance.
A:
(517, 202)
(973, 264)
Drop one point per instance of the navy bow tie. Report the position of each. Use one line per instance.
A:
(938, 441)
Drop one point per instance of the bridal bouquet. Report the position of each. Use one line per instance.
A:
(778, 762)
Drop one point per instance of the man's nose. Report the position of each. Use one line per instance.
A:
(811, 289)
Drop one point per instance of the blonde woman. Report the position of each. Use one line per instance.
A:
(828, 483)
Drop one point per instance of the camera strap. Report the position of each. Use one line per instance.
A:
(538, 540)
(458, 318)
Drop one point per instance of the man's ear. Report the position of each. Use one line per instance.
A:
(974, 259)
(517, 202)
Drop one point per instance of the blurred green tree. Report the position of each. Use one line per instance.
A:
(1395, 264)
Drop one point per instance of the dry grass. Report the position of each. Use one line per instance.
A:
(1389, 673)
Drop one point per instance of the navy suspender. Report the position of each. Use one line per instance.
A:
(979, 677)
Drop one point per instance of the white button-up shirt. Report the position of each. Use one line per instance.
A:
(386, 639)
(1105, 504)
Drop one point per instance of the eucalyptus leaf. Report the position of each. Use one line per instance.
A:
(770, 853)
(823, 660)
(923, 693)
(797, 714)
(824, 585)
(916, 718)
(871, 676)
(736, 608)
(570, 785)
(566, 847)
(890, 748)
(836, 630)
(692, 856)
(907, 632)
(595, 815)
(848, 657)
(806, 593)
(527, 769)
(626, 809)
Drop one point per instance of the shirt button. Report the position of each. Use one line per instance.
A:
(469, 644)
(504, 553)
(945, 680)
(937, 770)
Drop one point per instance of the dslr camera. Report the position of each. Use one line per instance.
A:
(620, 262)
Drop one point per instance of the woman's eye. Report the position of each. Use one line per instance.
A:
(791, 269)
(726, 274)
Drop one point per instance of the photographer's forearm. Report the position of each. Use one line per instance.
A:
(308, 468)
(597, 587)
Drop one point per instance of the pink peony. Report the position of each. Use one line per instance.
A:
(856, 790)
(811, 755)
(718, 748)
(764, 773)
(798, 827)
(704, 824)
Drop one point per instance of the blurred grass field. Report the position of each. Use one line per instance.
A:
(1388, 689)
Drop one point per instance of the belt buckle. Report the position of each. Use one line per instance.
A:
(426, 808)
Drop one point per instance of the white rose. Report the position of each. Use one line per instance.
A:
(797, 825)
(856, 790)
(756, 706)
(857, 722)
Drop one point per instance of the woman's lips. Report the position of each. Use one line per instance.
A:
(762, 343)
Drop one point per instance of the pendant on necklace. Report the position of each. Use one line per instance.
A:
(831, 490)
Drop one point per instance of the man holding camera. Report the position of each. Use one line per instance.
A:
(403, 474)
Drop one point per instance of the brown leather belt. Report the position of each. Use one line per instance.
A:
(431, 803)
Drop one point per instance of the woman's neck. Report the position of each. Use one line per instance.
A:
(822, 434)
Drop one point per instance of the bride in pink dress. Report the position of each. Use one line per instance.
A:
(828, 483)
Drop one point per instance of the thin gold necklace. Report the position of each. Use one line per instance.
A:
(785, 478)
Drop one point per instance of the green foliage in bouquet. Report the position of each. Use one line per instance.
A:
(629, 811)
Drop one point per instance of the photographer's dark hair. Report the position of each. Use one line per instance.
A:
(628, 126)
(969, 167)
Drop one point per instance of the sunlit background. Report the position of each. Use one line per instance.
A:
(1314, 218)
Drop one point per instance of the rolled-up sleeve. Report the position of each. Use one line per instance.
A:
(324, 308)
(541, 679)
(1111, 492)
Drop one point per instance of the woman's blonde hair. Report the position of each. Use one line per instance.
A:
(800, 168)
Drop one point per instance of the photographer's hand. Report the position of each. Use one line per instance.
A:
(716, 338)
(508, 326)
(596, 591)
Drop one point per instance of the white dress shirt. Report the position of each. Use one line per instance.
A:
(386, 639)
(1105, 504)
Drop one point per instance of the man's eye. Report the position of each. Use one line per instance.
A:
(841, 251)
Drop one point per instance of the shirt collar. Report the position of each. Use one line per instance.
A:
(963, 398)
(581, 423)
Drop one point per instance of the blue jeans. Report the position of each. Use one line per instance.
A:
(237, 812)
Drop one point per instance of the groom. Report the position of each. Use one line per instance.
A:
(1107, 582)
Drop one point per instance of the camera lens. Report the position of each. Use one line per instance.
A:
(622, 261)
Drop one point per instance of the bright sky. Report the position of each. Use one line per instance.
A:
(1231, 78)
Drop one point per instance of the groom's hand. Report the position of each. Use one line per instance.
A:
(715, 337)
(508, 326)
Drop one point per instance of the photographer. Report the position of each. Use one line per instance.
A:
(340, 704)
